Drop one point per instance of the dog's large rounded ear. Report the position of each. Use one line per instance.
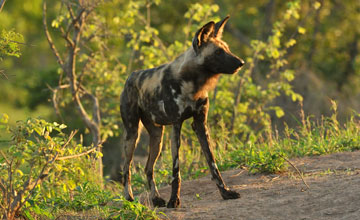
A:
(219, 27)
(203, 35)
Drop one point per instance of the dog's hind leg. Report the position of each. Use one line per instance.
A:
(131, 119)
(131, 138)
(174, 201)
(155, 133)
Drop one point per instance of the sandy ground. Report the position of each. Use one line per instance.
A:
(334, 193)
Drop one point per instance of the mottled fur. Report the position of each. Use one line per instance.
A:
(170, 94)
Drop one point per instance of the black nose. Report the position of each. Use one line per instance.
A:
(241, 63)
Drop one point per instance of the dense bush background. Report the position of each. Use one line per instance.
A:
(292, 98)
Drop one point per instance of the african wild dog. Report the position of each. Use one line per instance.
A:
(170, 94)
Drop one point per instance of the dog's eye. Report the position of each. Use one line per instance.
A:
(218, 51)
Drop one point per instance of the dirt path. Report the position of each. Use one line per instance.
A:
(334, 193)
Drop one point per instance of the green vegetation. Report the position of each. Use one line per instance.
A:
(44, 173)
(296, 52)
(269, 152)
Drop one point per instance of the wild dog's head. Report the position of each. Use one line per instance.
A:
(212, 53)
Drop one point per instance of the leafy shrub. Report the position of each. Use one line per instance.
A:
(9, 43)
(36, 152)
(44, 172)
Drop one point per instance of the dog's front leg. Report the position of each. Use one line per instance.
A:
(200, 128)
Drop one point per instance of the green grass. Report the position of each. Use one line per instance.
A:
(69, 188)
(89, 201)
(266, 154)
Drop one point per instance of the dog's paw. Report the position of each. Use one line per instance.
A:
(129, 198)
(229, 194)
(158, 202)
(174, 203)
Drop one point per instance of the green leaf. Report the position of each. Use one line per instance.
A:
(301, 30)
(55, 24)
(4, 119)
(279, 112)
(19, 172)
(290, 43)
(317, 5)
(276, 41)
(275, 53)
(62, 126)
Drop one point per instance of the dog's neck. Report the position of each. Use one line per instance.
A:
(188, 68)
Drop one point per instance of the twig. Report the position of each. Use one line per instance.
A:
(3, 188)
(77, 155)
(6, 160)
(72, 134)
(3, 74)
(71, 11)
(96, 105)
(54, 98)
(237, 174)
(66, 36)
(2, 3)
(49, 39)
(298, 171)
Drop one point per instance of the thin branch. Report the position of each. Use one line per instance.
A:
(74, 20)
(2, 3)
(10, 186)
(3, 74)
(83, 70)
(298, 171)
(6, 160)
(2, 206)
(49, 39)
(96, 109)
(2, 187)
(54, 98)
(77, 155)
(77, 21)
(71, 136)
(66, 36)
(72, 14)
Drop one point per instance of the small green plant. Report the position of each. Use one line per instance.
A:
(36, 152)
(44, 173)
(84, 197)
(197, 196)
(132, 210)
